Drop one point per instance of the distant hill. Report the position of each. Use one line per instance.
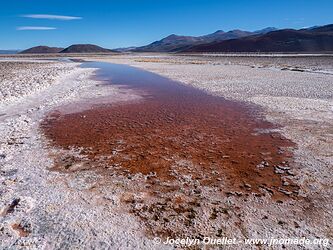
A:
(316, 39)
(7, 52)
(174, 43)
(85, 48)
(76, 48)
(125, 49)
(41, 50)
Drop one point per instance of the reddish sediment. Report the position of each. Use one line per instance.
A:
(178, 129)
(21, 231)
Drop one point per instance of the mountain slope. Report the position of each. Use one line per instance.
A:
(326, 28)
(169, 44)
(288, 40)
(41, 50)
(265, 30)
(174, 43)
(85, 48)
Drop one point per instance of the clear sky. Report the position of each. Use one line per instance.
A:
(122, 23)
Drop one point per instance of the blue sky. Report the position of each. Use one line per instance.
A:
(122, 23)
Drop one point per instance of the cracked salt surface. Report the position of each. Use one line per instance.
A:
(299, 101)
(42, 205)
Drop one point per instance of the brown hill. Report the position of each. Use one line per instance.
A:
(41, 50)
(85, 48)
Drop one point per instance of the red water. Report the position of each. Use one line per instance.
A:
(175, 128)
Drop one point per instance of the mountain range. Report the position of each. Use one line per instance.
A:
(75, 48)
(315, 39)
(175, 43)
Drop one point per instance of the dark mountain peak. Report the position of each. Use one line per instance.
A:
(41, 50)
(172, 36)
(85, 48)
(219, 32)
(265, 30)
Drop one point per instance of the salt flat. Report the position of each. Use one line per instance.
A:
(60, 210)
(295, 92)
(50, 211)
